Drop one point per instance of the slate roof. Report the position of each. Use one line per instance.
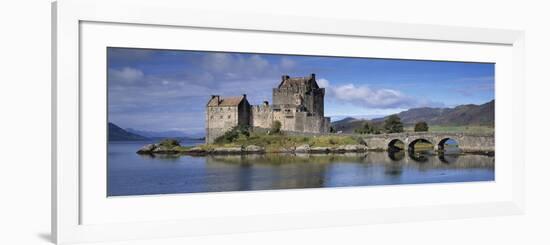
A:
(298, 81)
(227, 101)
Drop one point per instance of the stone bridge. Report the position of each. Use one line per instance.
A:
(467, 142)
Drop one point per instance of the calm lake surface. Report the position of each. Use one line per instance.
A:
(132, 174)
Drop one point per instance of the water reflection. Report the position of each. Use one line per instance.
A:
(396, 155)
(419, 157)
(393, 169)
(448, 158)
(285, 171)
(132, 174)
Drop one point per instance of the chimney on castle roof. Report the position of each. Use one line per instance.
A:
(216, 97)
(284, 77)
(244, 96)
(312, 76)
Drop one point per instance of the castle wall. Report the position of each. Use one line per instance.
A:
(281, 117)
(297, 104)
(312, 99)
(318, 107)
(261, 116)
(312, 125)
(244, 113)
(284, 96)
(219, 120)
(326, 125)
(302, 122)
(317, 124)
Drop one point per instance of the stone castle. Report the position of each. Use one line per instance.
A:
(298, 104)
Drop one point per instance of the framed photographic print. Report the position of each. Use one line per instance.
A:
(176, 126)
(171, 122)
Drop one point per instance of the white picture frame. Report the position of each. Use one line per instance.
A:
(68, 18)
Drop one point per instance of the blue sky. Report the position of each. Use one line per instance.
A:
(159, 90)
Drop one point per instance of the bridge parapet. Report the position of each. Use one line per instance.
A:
(467, 142)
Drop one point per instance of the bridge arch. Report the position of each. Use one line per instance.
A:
(396, 145)
(412, 145)
(448, 143)
(468, 142)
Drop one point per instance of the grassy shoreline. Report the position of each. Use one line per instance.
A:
(255, 143)
(280, 141)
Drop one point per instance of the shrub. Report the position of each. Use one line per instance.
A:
(233, 134)
(169, 143)
(275, 127)
(421, 127)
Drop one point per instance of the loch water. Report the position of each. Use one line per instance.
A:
(131, 174)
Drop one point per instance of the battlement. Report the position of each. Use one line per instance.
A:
(298, 104)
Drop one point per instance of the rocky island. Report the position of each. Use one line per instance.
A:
(261, 145)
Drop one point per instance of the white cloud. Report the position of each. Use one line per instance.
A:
(140, 98)
(257, 62)
(323, 83)
(232, 66)
(126, 74)
(287, 63)
(218, 62)
(367, 97)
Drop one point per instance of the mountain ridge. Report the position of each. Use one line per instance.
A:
(165, 134)
(461, 115)
(116, 133)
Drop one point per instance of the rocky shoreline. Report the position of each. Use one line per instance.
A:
(159, 148)
(172, 147)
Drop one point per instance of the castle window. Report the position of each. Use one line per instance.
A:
(221, 117)
(229, 117)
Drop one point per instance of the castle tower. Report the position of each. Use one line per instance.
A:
(301, 93)
(298, 104)
(223, 114)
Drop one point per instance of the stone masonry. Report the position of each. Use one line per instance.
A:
(298, 104)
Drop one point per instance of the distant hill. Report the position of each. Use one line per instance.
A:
(116, 133)
(166, 134)
(348, 124)
(462, 115)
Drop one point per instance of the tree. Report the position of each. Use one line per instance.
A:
(367, 128)
(421, 127)
(275, 127)
(393, 124)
